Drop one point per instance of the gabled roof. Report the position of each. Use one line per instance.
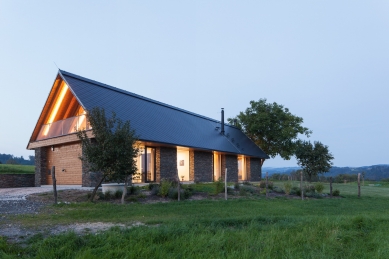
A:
(154, 121)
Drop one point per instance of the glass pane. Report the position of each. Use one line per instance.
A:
(150, 164)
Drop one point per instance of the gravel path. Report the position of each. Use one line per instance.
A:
(13, 200)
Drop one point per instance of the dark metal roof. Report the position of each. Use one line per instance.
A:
(154, 121)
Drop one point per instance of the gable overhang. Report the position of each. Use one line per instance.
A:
(60, 93)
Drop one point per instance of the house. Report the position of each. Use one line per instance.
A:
(172, 139)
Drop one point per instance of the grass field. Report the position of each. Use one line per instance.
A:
(348, 227)
(17, 169)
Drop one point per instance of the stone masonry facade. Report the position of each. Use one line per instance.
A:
(255, 169)
(168, 163)
(17, 180)
(40, 166)
(231, 163)
(203, 166)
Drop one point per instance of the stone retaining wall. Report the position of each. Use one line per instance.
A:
(17, 180)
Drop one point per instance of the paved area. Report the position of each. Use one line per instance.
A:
(19, 194)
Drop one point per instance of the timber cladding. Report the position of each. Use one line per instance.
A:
(68, 166)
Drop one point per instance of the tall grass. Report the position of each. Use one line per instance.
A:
(17, 169)
(349, 227)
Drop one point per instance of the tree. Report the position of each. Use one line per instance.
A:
(272, 127)
(313, 158)
(112, 150)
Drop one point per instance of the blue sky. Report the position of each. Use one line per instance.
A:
(327, 61)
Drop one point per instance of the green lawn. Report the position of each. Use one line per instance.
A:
(17, 169)
(348, 227)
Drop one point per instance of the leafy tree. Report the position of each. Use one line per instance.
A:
(112, 150)
(272, 127)
(313, 158)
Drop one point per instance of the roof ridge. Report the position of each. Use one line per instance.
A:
(138, 96)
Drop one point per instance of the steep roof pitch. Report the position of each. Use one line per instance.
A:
(154, 121)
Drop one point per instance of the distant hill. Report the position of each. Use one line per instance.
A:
(372, 172)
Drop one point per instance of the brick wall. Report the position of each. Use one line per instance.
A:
(68, 166)
(40, 166)
(203, 166)
(248, 172)
(231, 163)
(17, 180)
(255, 169)
(167, 163)
(191, 165)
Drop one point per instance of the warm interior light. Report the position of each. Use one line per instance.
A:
(58, 103)
(82, 117)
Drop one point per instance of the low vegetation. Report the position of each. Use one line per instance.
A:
(244, 227)
(16, 169)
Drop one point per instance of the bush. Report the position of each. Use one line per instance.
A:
(309, 188)
(237, 186)
(336, 192)
(288, 187)
(155, 190)
(244, 189)
(118, 194)
(164, 187)
(319, 187)
(262, 184)
(277, 189)
(219, 186)
(133, 190)
(152, 185)
(184, 193)
(247, 183)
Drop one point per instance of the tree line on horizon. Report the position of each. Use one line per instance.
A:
(340, 174)
(14, 160)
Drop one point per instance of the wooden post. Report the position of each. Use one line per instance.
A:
(178, 187)
(359, 185)
(331, 186)
(267, 177)
(54, 184)
(225, 185)
(301, 185)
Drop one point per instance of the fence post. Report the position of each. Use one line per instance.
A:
(225, 185)
(331, 186)
(301, 185)
(359, 185)
(54, 184)
(267, 177)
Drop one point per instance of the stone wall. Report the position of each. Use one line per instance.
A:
(40, 166)
(248, 172)
(168, 163)
(191, 165)
(17, 180)
(157, 164)
(203, 166)
(255, 169)
(231, 163)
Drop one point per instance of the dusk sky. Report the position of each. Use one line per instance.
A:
(327, 61)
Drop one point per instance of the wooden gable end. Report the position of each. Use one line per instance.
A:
(60, 105)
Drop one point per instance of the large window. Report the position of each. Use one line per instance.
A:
(242, 176)
(146, 166)
(183, 163)
(217, 166)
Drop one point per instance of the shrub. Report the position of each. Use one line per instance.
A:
(118, 194)
(184, 193)
(152, 185)
(247, 183)
(336, 192)
(245, 189)
(155, 190)
(309, 188)
(237, 186)
(277, 189)
(107, 195)
(319, 187)
(164, 187)
(219, 186)
(133, 190)
(288, 187)
(262, 184)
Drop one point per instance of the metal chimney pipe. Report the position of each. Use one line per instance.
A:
(222, 122)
